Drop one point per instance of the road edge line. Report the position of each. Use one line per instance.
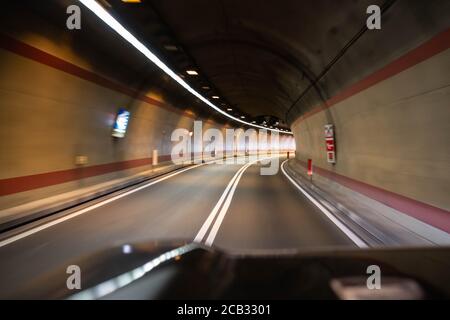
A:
(44, 226)
(350, 234)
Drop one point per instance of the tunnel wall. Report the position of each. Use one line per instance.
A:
(50, 115)
(392, 132)
(56, 107)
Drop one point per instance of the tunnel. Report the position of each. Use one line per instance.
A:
(158, 138)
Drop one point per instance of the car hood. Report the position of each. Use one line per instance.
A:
(180, 270)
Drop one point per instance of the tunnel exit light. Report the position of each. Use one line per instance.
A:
(121, 123)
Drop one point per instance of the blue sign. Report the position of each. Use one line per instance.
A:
(121, 123)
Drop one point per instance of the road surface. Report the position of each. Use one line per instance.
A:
(231, 206)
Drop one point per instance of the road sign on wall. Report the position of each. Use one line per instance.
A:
(121, 123)
(330, 143)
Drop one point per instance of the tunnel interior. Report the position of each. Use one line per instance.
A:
(295, 124)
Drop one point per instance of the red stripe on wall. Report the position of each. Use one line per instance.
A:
(47, 179)
(434, 216)
(436, 45)
(27, 51)
(25, 183)
(429, 214)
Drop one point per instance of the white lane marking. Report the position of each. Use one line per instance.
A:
(97, 205)
(223, 211)
(209, 220)
(360, 243)
(231, 185)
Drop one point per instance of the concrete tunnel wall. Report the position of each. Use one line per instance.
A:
(50, 115)
(392, 128)
(392, 122)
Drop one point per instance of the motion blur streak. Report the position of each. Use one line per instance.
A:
(77, 213)
(116, 26)
(99, 99)
(360, 243)
(112, 285)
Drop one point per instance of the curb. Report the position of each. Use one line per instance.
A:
(58, 207)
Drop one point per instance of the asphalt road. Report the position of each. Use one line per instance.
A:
(269, 213)
(257, 213)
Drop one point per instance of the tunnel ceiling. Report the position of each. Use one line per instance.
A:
(257, 56)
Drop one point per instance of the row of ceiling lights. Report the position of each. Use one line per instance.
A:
(190, 72)
(116, 26)
(193, 72)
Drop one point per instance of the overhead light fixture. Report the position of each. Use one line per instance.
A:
(192, 72)
(242, 117)
(171, 47)
(105, 3)
(253, 121)
(131, 1)
(229, 109)
(206, 88)
(107, 18)
(215, 97)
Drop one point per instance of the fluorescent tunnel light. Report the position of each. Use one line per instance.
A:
(100, 12)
